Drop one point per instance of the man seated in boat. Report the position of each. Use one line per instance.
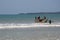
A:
(38, 19)
(44, 20)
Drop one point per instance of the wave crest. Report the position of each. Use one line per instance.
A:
(19, 25)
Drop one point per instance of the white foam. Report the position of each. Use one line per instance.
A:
(18, 25)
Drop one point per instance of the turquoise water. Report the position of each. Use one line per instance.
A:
(28, 18)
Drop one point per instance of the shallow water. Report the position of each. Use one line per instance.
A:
(37, 33)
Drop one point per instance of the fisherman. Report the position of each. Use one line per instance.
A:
(44, 17)
(36, 19)
(49, 21)
(40, 20)
(44, 20)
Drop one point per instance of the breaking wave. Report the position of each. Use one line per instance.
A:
(27, 25)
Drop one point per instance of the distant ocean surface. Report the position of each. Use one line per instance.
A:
(23, 27)
(28, 17)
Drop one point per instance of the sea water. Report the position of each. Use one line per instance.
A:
(23, 27)
(28, 17)
(28, 20)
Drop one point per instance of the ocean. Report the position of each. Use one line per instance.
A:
(28, 17)
(28, 20)
(23, 27)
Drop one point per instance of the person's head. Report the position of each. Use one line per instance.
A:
(39, 17)
(44, 17)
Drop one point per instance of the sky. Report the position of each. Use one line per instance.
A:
(28, 6)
